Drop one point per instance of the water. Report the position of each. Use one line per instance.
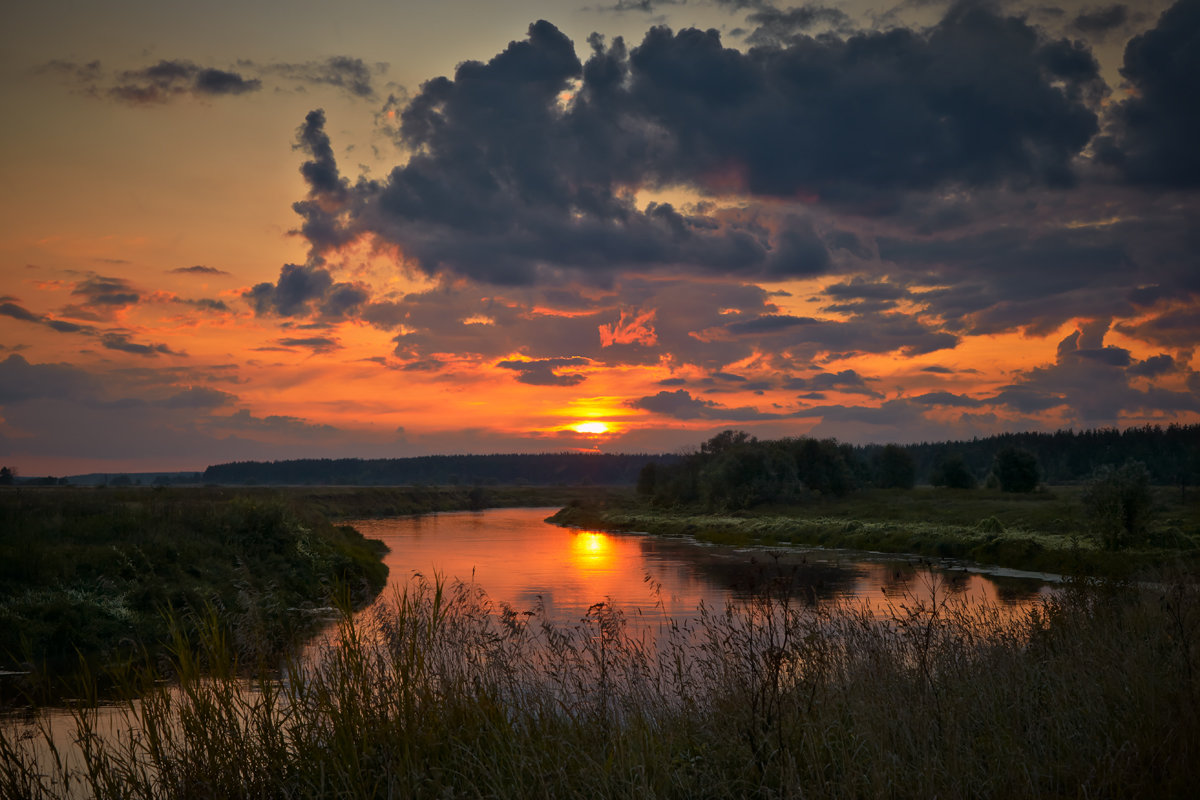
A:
(520, 560)
(523, 562)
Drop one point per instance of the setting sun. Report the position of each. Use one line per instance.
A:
(590, 427)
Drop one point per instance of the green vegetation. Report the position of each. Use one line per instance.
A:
(1091, 693)
(1047, 531)
(1015, 469)
(91, 574)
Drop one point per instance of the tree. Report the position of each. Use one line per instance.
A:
(952, 472)
(8, 476)
(647, 480)
(1016, 470)
(1117, 502)
(895, 468)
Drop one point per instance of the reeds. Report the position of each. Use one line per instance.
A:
(441, 693)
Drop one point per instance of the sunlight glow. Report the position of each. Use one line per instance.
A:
(595, 428)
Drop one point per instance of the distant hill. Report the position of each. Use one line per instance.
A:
(544, 469)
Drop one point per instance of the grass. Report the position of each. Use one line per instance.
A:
(1044, 531)
(91, 574)
(1089, 694)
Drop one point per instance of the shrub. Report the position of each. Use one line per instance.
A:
(895, 468)
(1117, 503)
(1016, 470)
(953, 473)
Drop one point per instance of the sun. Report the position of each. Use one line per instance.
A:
(594, 428)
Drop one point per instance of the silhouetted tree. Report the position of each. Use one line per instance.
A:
(895, 468)
(1117, 503)
(8, 476)
(647, 479)
(952, 472)
(1016, 470)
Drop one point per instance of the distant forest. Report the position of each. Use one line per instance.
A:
(1171, 455)
(545, 469)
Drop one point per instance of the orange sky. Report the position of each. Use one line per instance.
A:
(197, 268)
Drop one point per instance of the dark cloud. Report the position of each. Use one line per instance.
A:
(847, 381)
(99, 292)
(170, 79)
(1154, 131)
(946, 399)
(17, 312)
(10, 309)
(352, 75)
(21, 381)
(198, 397)
(645, 6)
(680, 404)
(1153, 366)
(543, 372)
(1179, 327)
(1099, 21)
(301, 289)
(199, 270)
(318, 344)
(121, 342)
(1091, 383)
(784, 26)
(521, 167)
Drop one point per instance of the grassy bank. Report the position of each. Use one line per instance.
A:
(91, 574)
(1090, 694)
(1043, 531)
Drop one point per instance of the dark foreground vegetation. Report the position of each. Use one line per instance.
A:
(1091, 693)
(94, 574)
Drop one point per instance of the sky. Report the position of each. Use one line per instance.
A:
(382, 229)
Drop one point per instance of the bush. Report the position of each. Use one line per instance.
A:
(953, 473)
(895, 468)
(1117, 503)
(1016, 470)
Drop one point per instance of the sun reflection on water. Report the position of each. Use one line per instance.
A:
(592, 551)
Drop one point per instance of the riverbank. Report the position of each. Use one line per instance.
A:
(1090, 694)
(1038, 532)
(90, 578)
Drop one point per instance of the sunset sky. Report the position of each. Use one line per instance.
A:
(275, 230)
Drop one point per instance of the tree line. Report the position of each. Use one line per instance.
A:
(734, 470)
(538, 469)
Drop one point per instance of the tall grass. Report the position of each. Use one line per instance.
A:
(1090, 693)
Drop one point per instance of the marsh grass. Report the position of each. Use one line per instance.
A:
(442, 693)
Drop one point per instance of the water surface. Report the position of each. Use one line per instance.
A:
(520, 560)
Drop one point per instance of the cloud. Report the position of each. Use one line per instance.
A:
(1153, 134)
(99, 292)
(304, 288)
(352, 75)
(510, 184)
(543, 372)
(630, 329)
(1101, 20)
(198, 270)
(847, 381)
(168, 80)
(680, 404)
(122, 343)
(10, 309)
(318, 344)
